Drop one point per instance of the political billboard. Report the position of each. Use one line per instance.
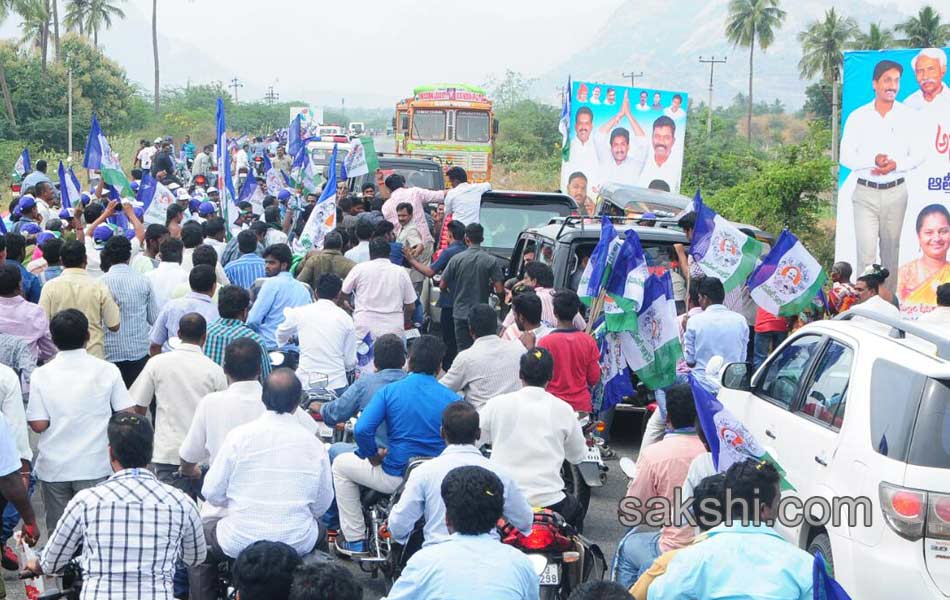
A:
(894, 177)
(625, 135)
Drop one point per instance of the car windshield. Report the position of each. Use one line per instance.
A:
(471, 126)
(321, 158)
(503, 222)
(430, 179)
(428, 125)
(930, 445)
(660, 259)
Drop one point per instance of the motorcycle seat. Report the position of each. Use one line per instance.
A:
(369, 497)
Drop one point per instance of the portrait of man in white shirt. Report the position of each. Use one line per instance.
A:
(661, 166)
(930, 67)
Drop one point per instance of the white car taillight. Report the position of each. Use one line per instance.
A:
(903, 510)
(938, 516)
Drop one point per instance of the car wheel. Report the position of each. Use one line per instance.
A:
(821, 545)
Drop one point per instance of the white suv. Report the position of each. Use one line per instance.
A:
(860, 407)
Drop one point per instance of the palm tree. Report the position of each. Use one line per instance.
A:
(5, 7)
(877, 38)
(823, 46)
(925, 30)
(75, 17)
(55, 11)
(752, 21)
(155, 48)
(34, 25)
(99, 15)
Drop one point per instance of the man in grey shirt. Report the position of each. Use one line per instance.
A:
(470, 275)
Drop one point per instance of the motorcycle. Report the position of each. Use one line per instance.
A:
(590, 472)
(562, 557)
(71, 581)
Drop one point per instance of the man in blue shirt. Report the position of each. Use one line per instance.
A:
(246, 269)
(744, 560)
(13, 248)
(279, 291)
(717, 331)
(457, 234)
(412, 411)
(470, 564)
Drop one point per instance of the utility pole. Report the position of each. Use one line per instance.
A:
(235, 84)
(69, 111)
(271, 96)
(712, 62)
(633, 77)
(343, 110)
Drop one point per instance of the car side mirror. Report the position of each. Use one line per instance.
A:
(737, 376)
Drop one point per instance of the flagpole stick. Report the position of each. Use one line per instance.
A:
(596, 308)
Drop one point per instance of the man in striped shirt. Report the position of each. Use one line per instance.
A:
(233, 303)
(128, 348)
(249, 266)
(131, 528)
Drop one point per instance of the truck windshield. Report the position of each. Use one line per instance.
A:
(428, 125)
(472, 126)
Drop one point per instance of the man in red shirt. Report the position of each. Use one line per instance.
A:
(770, 332)
(575, 353)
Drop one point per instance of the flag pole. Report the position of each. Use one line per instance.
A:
(596, 308)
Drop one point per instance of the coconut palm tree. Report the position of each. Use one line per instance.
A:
(5, 7)
(34, 24)
(823, 45)
(752, 21)
(155, 49)
(55, 11)
(876, 38)
(75, 17)
(100, 15)
(925, 30)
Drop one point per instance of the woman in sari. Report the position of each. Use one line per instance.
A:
(917, 280)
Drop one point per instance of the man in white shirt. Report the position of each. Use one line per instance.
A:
(169, 274)
(643, 105)
(146, 154)
(867, 287)
(220, 412)
(623, 157)
(464, 201)
(528, 328)
(364, 232)
(72, 398)
(326, 333)
(274, 478)
(241, 161)
(583, 156)
(383, 296)
(939, 316)
(675, 111)
(490, 366)
(532, 433)
(177, 380)
(11, 406)
(879, 145)
(930, 67)
(660, 166)
(422, 496)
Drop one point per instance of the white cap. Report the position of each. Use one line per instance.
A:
(212, 190)
(157, 141)
(183, 194)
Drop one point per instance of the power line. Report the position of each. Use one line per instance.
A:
(712, 62)
(271, 96)
(633, 77)
(234, 85)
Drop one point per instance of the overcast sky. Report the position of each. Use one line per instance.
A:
(374, 51)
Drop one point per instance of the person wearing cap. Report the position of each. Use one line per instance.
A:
(76, 288)
(245, 217)
(97, 233)
(29, 213)
(206, 210)
(214, 195)
(128, 348)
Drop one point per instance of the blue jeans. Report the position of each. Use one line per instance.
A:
(660, 395)
(331, 518)
(635, 554)
(764, 344)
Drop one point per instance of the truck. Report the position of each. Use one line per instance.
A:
(453, 124)
(357, 128)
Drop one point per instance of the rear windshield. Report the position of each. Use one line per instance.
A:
(930, 446)
(896, 392)
(503, 222)
(429, 179)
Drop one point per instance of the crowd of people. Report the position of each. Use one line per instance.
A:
(142, 358)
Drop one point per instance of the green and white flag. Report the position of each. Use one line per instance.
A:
(720, 249)
(625, 285)
(99, 156)
(789, 278)
(22, 166)
(654, 349)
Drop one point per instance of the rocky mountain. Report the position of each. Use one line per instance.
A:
(665, 39)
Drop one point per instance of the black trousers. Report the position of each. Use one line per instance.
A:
(463, 337)
(571, 510)
(130, 369)
(448, 337)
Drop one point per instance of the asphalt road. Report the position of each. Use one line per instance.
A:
(601, 525)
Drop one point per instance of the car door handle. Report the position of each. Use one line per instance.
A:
(821, 461)
(769, 433)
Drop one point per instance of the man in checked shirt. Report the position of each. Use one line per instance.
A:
(132, 527)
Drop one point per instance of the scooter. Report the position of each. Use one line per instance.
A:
(591, 472)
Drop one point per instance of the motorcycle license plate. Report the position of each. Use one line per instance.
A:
(324, 430)
(551, 575)
(593, 455)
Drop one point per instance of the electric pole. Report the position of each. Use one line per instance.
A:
(712, 62)
(234, 85)
(343, 110)
(271, 96)
(633, 77)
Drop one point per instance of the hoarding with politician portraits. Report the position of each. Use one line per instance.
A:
(894, 178)
(624, 135)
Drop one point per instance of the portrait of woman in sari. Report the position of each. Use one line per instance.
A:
(917, 280)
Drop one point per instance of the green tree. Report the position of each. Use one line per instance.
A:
(99, 80)
(876, 38)
(818, 101)
(75, 17)
(752, 21)
(34, 24)
(155, 52)
(823, 46)
(925, 30)
(5, 7)
(99, 16)
(509, 90)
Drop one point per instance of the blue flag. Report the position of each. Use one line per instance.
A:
(294, 139)
(225, 184)
(147, 188)
(266, 164)
(69, 188)
(625, 285)
(824, 587)
(22, 166)
(597, 270)
(248, 189)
